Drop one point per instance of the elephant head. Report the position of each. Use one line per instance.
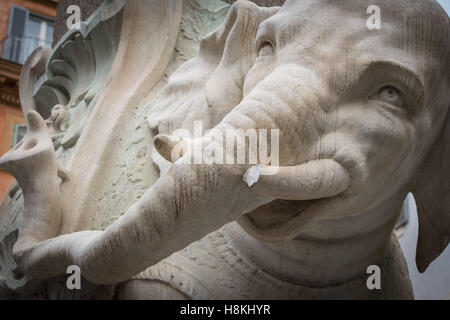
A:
(362, 117)
(370, 106)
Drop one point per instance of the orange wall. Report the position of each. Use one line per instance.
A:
(36, 7)
(8, 117)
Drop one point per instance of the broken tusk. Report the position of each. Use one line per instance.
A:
(312, 180)
(252, 175)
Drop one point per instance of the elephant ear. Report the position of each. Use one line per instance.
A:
(209, 85)
(432, 195)
(237, 40)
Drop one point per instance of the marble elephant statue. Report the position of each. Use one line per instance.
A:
(362, 118)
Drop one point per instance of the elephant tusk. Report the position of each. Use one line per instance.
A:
(312, 180)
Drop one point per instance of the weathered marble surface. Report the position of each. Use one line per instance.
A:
(362, 117)
(89, 6)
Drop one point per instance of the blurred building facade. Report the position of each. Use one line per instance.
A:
(24, 25)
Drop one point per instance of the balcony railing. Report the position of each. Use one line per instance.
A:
(17, 49)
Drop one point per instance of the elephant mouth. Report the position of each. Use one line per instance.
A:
(299, 193)
(271, 221)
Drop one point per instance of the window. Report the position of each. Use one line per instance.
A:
(26, 32)
(19, 132)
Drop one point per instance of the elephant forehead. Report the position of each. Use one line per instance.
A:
(419, 28)
(359, 7)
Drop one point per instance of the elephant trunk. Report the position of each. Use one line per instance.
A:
(193, 199)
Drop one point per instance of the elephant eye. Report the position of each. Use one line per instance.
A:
(266, 49)
(389, 95)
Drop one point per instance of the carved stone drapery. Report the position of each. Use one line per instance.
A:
(94, 78)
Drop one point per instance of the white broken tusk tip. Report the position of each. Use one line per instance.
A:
(252, 175)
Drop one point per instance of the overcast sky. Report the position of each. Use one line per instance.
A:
(446, 5)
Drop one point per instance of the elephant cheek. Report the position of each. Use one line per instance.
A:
(223, 92)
